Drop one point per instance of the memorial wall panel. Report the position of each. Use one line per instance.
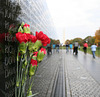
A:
(9, 11)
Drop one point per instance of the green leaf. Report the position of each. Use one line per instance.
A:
(33, 95)
(30, 46)
(37, 45)
(22, 24)
(40, 56)
(32, 70)
(22, 48)
(26, 30)
(20, 29)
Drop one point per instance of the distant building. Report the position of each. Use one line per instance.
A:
(36, 14)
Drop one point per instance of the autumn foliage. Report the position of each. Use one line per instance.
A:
(97, 36)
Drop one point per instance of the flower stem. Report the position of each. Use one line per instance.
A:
(26, 75)
(31, 81)
(21, 82)
(20, 76)
(16, 76)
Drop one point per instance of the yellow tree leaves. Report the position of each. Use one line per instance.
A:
(97, 36)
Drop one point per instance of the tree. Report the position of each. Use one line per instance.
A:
(79, 40)
(58, 41)
(53, 41)
(97, 36)
(67, 41)
(90, 40)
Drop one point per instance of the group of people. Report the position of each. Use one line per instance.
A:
(54, 46)
(72, 47)
(93, 48)
(76, 46)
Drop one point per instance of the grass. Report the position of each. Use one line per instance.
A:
(97, 53)
(62, 47)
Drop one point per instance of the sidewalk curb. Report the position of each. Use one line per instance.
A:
(51, 90)
(68, 91)
(64, 76)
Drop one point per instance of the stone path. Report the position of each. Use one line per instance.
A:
(62, 75)
(45, 76)
(79, 81)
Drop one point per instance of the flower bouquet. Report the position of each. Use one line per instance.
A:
(30, 53)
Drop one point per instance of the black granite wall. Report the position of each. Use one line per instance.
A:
(9, 12)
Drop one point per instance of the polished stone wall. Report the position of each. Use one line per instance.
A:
(36, 14)
(13, 12)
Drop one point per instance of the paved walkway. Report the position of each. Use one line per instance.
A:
(79, 81)
(64, 75)
(90, 64)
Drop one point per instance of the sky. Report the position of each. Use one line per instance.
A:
(77, 18)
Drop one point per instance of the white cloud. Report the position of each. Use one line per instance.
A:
(75, 13)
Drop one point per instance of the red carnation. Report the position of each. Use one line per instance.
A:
(2, 37)
(35, 53)
(21, 37)
(34, 62)
(31, 38)
(19, 54)
(11, 26)
(26, 25)
(13, 39)
(43, 50)
(28, 36)
(43, 37)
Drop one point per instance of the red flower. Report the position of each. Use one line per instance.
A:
(2, 37)
(43, 50)
(26, 25)
(11, 26)
(19, 54)
(13, 39)
(43, 37)
(21, 37)
(31, 38)
(28, 36)
(34, 62)
(34, 39)
(35, 53)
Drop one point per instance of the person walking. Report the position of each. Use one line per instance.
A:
(57, 49)
(73, 49)
(67, 46)
(76, 47)
(70, 46)
(54, 46)
(85, 46)
(93, 49)
(49, 49)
